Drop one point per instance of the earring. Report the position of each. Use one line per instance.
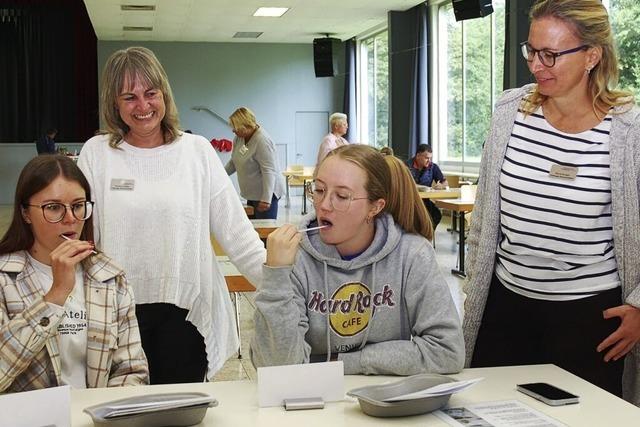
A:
(369, 219)
(588, 71)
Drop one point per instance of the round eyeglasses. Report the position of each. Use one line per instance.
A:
(546, 57)
(340, 200)
(55, 212)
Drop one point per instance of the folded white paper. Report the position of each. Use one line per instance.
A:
(277, 383)
(46, 407)
(436, 390)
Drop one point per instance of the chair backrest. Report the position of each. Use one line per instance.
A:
(468, 192)
(453, 180)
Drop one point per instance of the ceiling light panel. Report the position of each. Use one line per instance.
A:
(271, 11)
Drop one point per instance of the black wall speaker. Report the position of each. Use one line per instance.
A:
(324, 52)
(469, 9)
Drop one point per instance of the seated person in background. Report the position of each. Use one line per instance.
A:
(46, 143)
(425, 172)
(366, 289)
(386, 151)
(338, 125)
(67, 315)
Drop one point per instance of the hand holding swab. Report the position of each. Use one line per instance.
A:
(68, 238)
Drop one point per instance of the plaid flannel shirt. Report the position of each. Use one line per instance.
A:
(29, 341)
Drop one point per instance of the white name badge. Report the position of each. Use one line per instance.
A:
(122, 184)
(46, 407)
(308, 380)
(562, 171)
(243, 150)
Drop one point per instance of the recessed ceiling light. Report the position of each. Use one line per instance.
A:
(138, 7)
(270, 11)
(247, 35)
(126, 28)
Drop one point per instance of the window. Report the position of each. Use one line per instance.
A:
(470, 57)
(624, 17)
(374, 90)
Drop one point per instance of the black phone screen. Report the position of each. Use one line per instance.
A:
(548, 391)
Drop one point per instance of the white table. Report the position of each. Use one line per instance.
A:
(238, 401)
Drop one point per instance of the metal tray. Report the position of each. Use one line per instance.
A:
(173, 416)
(371, 397)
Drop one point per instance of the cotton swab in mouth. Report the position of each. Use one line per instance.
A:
(312, 228)
(69, 238)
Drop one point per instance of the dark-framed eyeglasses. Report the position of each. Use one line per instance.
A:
(547, 57)
(55, 212)
(340, 200)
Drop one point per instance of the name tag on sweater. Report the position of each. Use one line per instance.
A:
(561, 171)
(122, 184)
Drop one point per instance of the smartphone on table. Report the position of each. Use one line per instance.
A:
(547, 393)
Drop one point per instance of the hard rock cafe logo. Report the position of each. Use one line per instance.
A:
(351, 306)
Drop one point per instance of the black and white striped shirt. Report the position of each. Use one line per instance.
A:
(557, 234)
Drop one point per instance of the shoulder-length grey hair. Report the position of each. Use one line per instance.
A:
(134, 64)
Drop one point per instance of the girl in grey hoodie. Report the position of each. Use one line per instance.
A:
(365, 289)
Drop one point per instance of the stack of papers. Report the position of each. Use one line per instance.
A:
(437, 390)
(121, 410)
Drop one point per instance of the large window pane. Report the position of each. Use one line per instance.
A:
(471, 57)
(375, 81)
(624, 19)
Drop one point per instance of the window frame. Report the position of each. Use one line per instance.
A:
(438, 100)
(362, 105)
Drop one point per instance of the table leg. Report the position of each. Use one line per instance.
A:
(288, 201)
(304, 197)
(237, 307)
(460, 271)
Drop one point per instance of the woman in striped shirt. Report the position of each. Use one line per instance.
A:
(557, 210)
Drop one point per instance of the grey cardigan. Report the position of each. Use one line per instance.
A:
(485, 228)
(259, 175)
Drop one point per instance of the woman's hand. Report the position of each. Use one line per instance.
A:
(263, 206)
(63, 266)
(282, 246)
(626, 336)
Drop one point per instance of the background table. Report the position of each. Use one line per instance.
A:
(461, 207)
(238, 401)
(306, 174)
(451, 193)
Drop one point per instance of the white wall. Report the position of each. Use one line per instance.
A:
(274, 80)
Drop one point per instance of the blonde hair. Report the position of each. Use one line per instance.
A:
(134, 64)
(590, 23)
(243, 118)
(386, 151)
(389, 179)
(335, 118)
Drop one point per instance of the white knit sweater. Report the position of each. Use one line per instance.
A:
(157, 225)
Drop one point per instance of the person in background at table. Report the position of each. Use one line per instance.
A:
(67, 315)
(552, 269)
(254, 159)
(161, 194)
(334, 139)
(425, 172)
(386, 151)
(46, 144)
(366, 289)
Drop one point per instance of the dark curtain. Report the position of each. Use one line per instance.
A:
(48, 65)
(350, 95)
(516, 72)
(408, 80)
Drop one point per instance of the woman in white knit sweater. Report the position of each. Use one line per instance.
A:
(160, 193)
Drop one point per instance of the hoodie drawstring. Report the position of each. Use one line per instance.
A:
(326, 293)
(373, 292)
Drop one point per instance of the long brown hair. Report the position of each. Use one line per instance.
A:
(35, 176)
(590, 22)
(389, 179)
(133, 64)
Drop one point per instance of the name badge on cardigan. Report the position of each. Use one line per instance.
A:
(122, 184)
(562, 171)
(243, 150)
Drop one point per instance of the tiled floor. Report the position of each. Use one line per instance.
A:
(237, 369)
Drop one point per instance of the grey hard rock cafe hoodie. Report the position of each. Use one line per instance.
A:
(388, 311)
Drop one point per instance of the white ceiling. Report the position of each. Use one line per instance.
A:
(219, 20)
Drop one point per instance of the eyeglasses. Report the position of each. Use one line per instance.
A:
(340, 200)
(55, 212)
(547, 57)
